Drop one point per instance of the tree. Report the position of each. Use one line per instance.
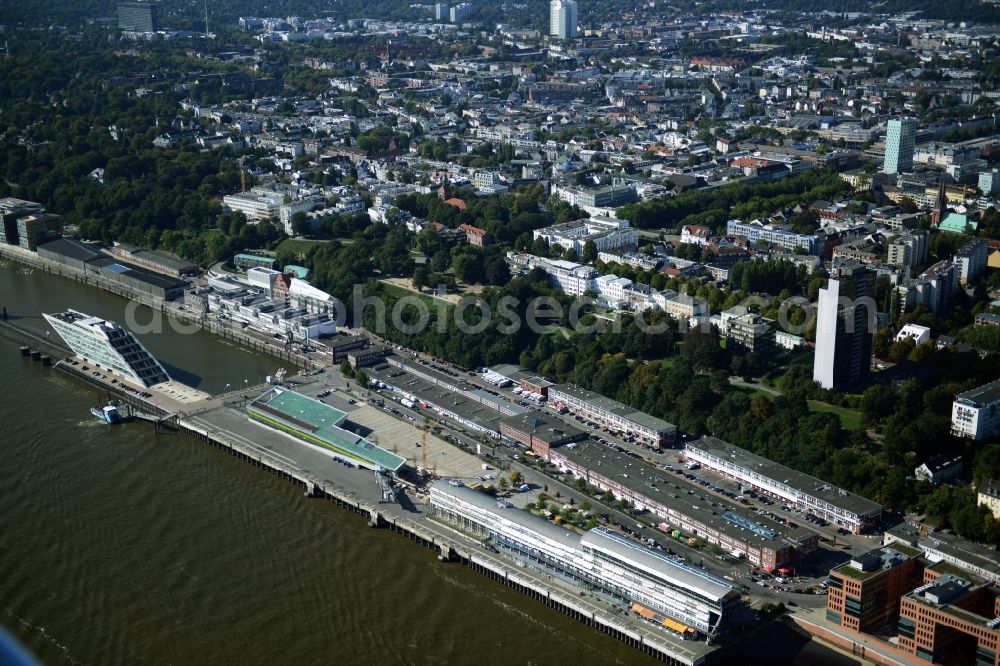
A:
(421, 278)
(361, 377)
(589, 251)
(346, 369)
(515, 478)
(300, 224)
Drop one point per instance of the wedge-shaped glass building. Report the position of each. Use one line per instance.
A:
(107, 345)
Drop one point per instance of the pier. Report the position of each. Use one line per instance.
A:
(355, 489)
(216, 421)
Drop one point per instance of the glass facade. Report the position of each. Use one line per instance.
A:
(108, 345)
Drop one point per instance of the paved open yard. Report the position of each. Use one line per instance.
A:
(403, 439)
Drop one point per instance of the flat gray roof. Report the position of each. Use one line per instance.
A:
(547, 428)
(607, 404)
(73, 248)
(521, 517)
(467, 408)
(674, 492)
(681, 575)
(800, 481)
(982, 395)
(963, 550)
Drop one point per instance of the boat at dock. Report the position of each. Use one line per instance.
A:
(108, 413)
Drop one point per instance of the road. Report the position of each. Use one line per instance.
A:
(739, 572)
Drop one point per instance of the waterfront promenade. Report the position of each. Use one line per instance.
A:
(219, 421)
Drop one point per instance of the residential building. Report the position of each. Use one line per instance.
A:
(970, 261)
(934, 289)
(788, 341)
(563, 19)
(107, 346)
(646, 429)
(908, 249)
(441, 11)
(805, 492)
(459, 12)
(607, 233)
(863, 594)
(989, 496)
(138, 16)
(572, 278)
(940, 468)
(989, 181)
(611, 196)
(919, 334)
(750, 333)
(680, 306)
(900, 136)
(600, 558)
(976, 414)
(845, 328)
(256, 206)
(774, 234)
(245, 261)
(696, 234)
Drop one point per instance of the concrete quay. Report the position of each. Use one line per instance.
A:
(166, 308)
(320, 476)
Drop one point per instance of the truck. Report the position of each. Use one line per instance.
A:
(486, 467)
(677, 534)
(406, 402)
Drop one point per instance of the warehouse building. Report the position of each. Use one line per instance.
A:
(71, 252)
(600, 558)
(156, 260)
(456, 384)
(538, 431)
(138, 279)
(850, 511)
(646, 429)
(686, 507)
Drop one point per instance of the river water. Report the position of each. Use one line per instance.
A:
(118, 546)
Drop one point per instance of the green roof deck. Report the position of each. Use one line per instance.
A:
(318, 424)
(850, 572)
(303, 408)
(301, 272)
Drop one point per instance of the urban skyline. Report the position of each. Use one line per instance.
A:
(677, 320)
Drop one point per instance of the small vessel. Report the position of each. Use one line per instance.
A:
(108, 413)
